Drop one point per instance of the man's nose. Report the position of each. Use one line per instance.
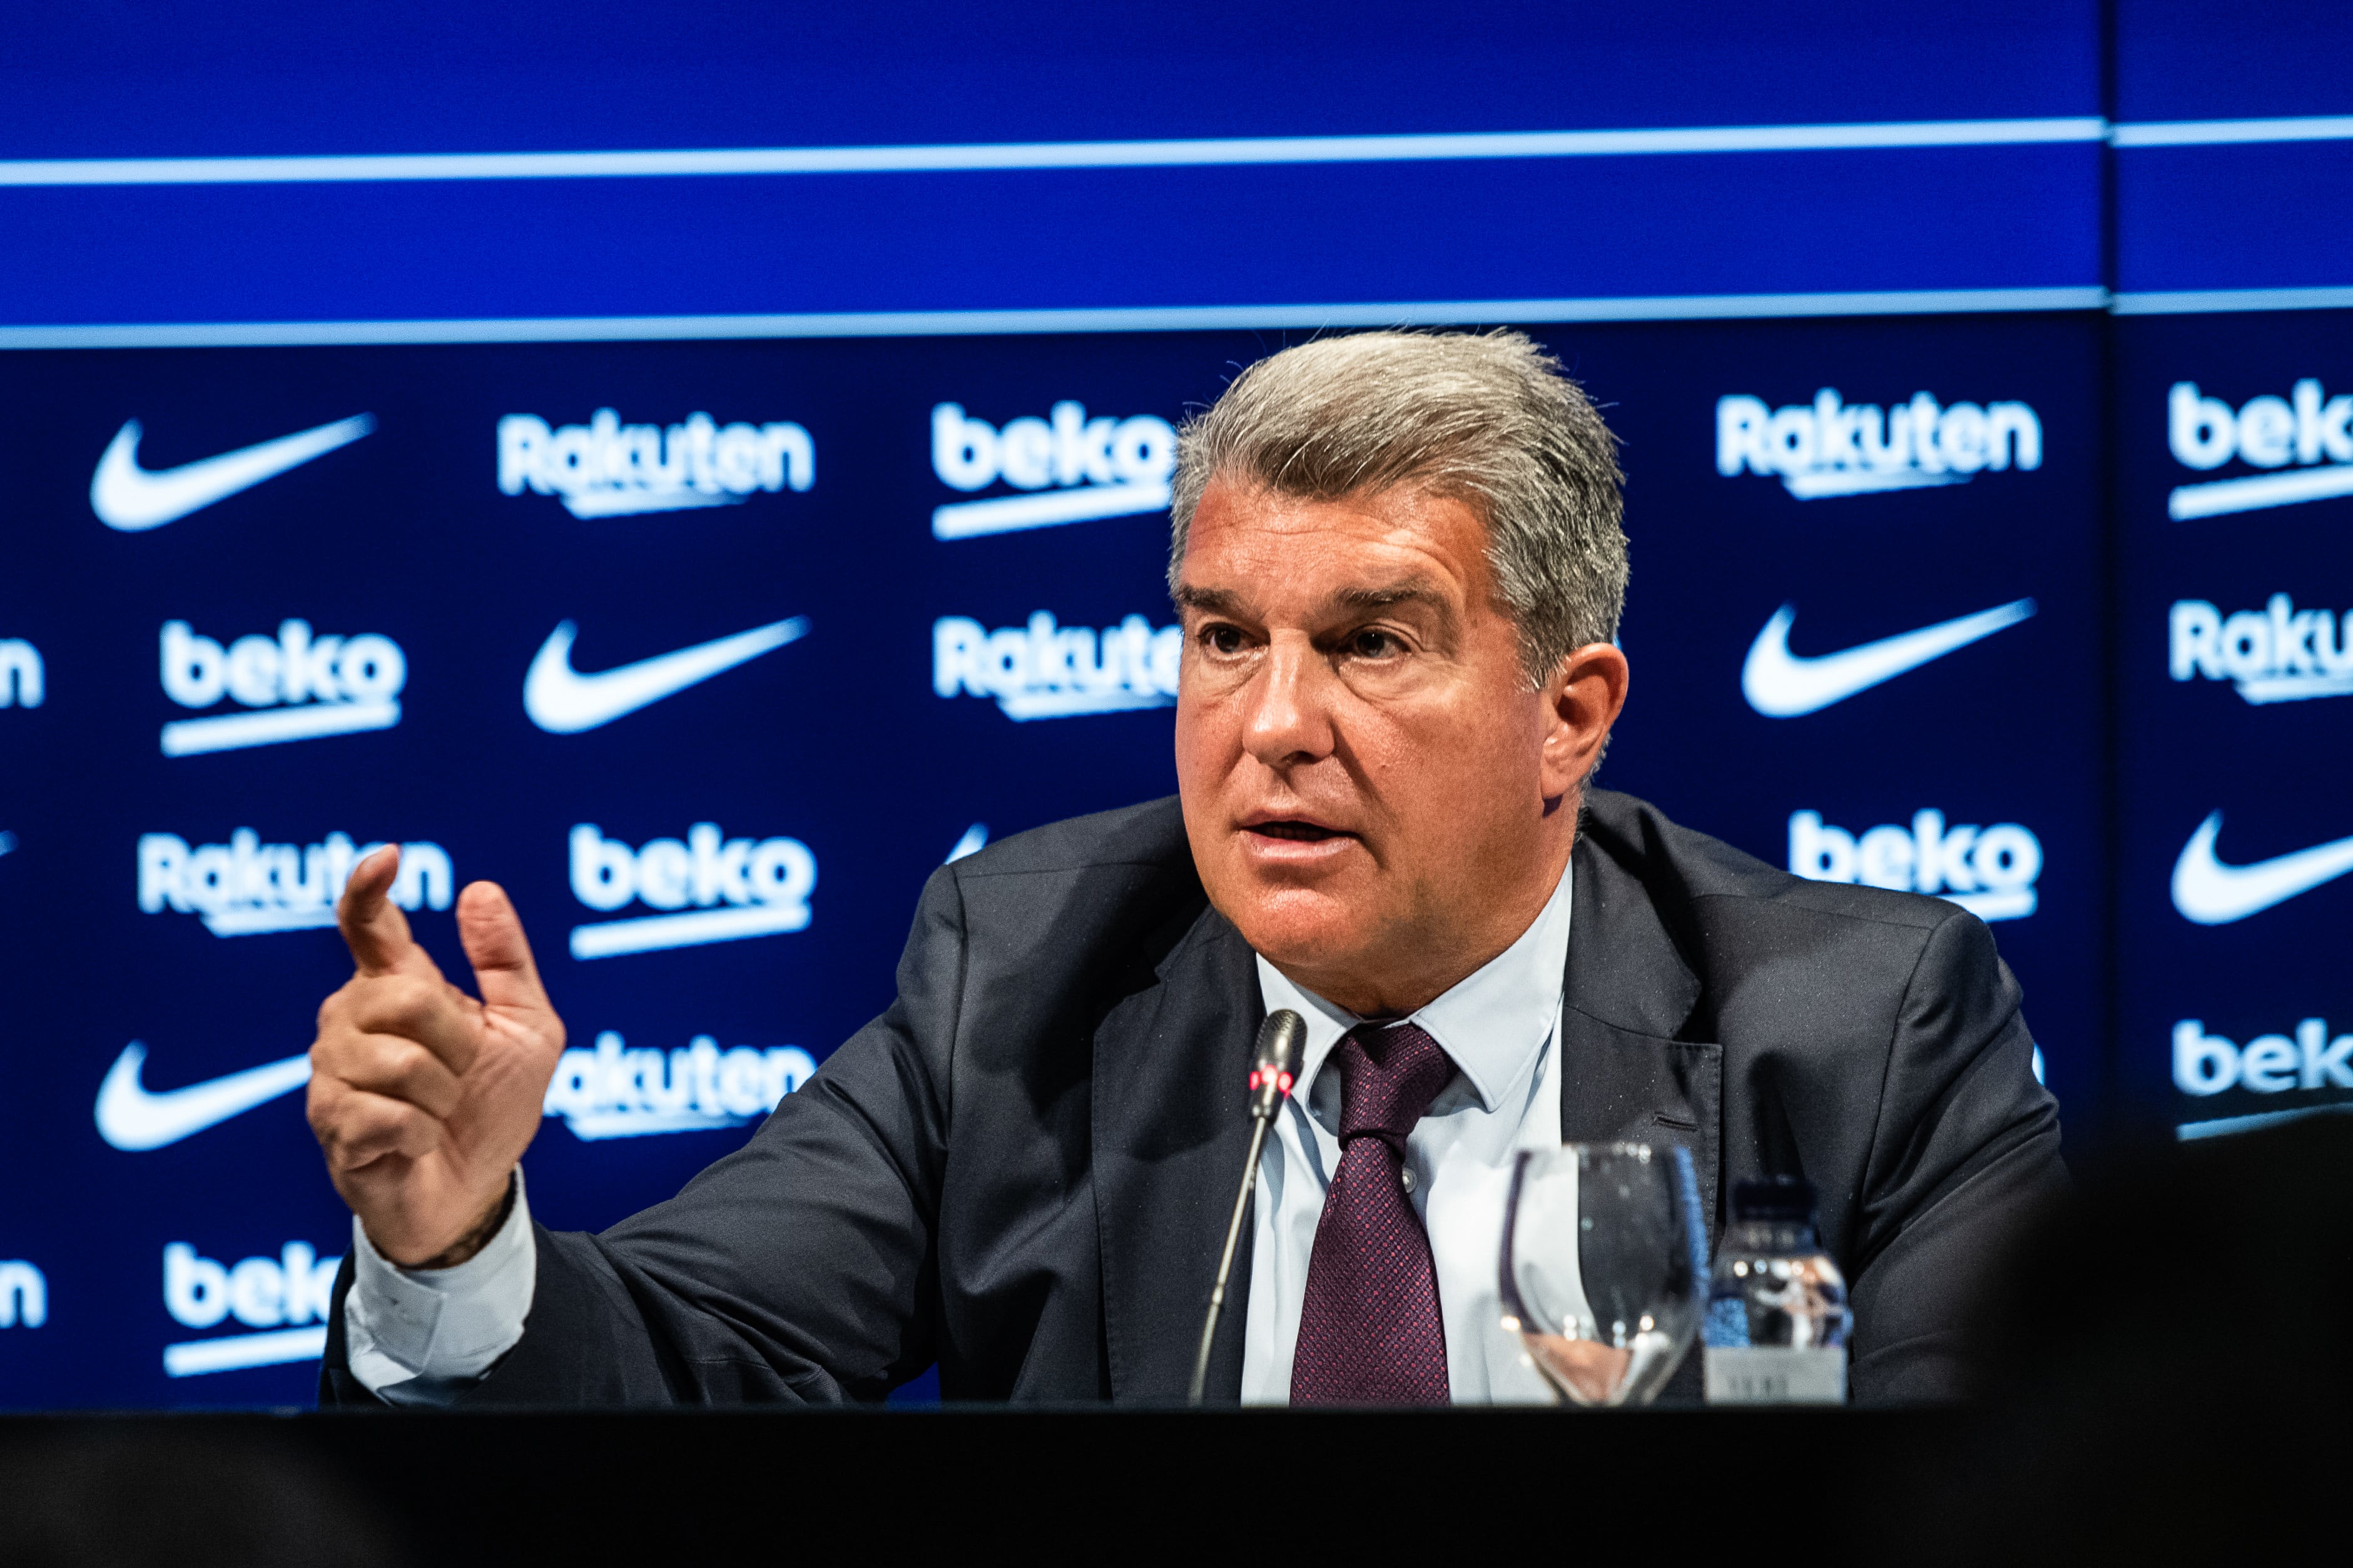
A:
(1290, 719)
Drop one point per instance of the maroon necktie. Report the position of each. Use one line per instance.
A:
(1369, 1328)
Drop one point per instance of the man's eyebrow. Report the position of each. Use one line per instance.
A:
(1209, 601)
(1413, 590)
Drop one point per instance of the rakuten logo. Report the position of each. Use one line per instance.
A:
(607, 469)
(265, 1293)
(2268, 1064)
(1046, 671)
(615, 1092)
(2302, 428)
(23, 680)
(24, 1295)
(1089, 469)
(2276, 654)
(244, 888)
(732, 888)
(308, 686)
(1833, 449)
(1988, 871)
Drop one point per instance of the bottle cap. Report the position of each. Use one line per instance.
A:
(1789, 1199)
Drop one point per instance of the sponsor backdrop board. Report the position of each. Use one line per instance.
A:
(2236, 460)
(706, 510)
(711, 652)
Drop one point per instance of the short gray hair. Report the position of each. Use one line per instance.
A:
(1487, 419)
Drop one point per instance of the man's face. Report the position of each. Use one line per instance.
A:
(1373, 794)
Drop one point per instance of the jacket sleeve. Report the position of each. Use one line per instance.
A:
(801, 1268)
(1964, 1153)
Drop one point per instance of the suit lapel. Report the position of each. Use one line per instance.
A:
(1628, 1069)
(1171, 1130)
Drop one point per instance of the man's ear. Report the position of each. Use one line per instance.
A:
(1582, 700)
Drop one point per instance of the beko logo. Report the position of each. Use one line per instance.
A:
(307, 685)
(267, 1293)
(2208, 892)
(730, 888)
(1086, 468)
(1830, 448)
(2276, 654)
(23, 681)
(246, 887)
(1047, 671)
(615, 1092)
(1988, 871)
(2304, 428)
(607, 469)
(24, 1295)
(2268, 1064)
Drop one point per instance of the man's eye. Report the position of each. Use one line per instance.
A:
(1370, 643)
(1222, 639)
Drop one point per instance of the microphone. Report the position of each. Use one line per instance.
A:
(1281, 1039)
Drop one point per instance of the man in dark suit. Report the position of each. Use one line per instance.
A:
(1400, 567)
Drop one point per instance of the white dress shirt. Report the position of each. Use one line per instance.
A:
(1499, 1026)
(420, 1336)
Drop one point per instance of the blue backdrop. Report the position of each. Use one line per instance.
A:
(706, 470)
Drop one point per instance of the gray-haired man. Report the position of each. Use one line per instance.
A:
(1399, 565)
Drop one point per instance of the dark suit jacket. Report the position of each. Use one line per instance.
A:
(1023, 1170)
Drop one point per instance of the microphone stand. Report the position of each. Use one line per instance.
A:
(1280, 1041)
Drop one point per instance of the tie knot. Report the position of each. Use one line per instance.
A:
(1389, 1075)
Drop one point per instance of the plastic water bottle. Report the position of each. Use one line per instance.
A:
(1776, 1316)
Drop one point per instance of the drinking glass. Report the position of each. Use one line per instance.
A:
(1605, 1266)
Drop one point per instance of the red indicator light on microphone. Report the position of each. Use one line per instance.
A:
(1254, 1078)
(1282, 1083)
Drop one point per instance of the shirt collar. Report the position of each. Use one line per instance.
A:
(1492, 1023)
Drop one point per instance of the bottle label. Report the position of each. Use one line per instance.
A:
(1776, 1375)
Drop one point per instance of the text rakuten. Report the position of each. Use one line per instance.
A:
(615, 1092)
(1048, 671)
(1830, 448)
(2276, 654)
(245, 887)
(607, 469)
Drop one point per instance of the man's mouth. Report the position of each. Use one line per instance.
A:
(1306, 831)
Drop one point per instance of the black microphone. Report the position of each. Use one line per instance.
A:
(1281, 1039)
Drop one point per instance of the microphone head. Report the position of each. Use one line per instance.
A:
(1281, 1040)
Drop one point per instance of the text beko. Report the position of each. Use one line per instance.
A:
(729, 889)
(1988, 871)
(607, 469)
(271, 1294)
(245, 887)
(1072, 469)
(1045, 670)
(2307, 433)
(303, 684)
(1831, 447)
(613, 1091)
(2207, 1064)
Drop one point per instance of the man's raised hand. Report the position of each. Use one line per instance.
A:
(423, 1097)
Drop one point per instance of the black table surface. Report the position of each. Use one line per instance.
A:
(679, 1484)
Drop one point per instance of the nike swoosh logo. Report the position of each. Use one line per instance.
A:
(129, 1117)
(1782, 684)
(2211, 893)
(563, 702)
(132, 499)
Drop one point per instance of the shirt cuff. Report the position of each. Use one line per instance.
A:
(421, 1336)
